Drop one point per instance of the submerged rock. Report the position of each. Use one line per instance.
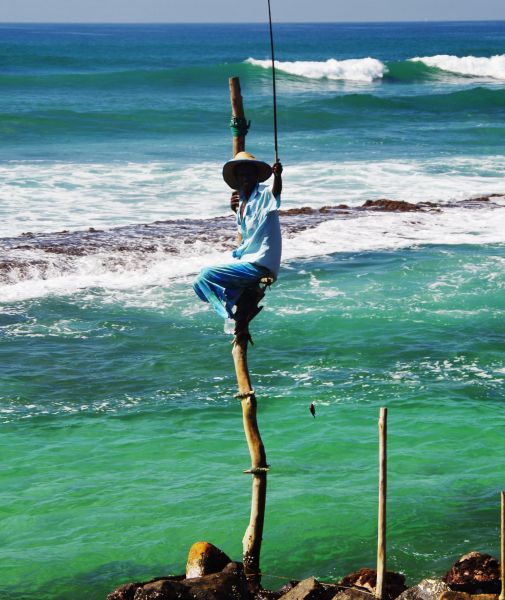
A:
(204, 559)
(486, 198)
(475, 573)
(391, 205)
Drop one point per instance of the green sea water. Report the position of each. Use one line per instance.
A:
(122, 443)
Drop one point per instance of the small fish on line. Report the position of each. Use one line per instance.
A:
(312, 409)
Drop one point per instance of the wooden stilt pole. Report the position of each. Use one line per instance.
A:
(254, 532)
(239, 124)
(381, 537)
(253, 536)
(502, 595)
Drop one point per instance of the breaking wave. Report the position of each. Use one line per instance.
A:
(353, 69)
(370, 69)
(472, 66)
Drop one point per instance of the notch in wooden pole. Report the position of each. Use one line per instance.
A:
(381, 532)
(502, 528)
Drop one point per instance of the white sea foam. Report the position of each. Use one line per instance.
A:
(391, 231)
(354, 182)
(353, 69)
(103, 271)
(103, 196)
(50, 196)
(475, 66)
(150, 274)
(43, 196)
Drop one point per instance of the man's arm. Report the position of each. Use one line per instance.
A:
(234, 204)
(235, 201)
(277, 186)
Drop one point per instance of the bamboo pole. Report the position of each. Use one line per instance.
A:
(381, 534)
(237, 113)
(502, 560)
(254, 533)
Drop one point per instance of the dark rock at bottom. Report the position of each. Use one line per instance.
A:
(229, 584)
(475, 573)
(465, 596)
(366, 579)
(427, 589)
(474, 576)
(310, 589)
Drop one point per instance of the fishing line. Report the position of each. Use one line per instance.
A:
(273, 83)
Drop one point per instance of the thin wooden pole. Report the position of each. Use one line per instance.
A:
(254, 532)
(502, 595)
(237, 115)
(381, 536)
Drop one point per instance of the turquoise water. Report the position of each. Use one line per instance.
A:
(121, 441)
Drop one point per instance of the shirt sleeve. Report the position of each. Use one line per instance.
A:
(270, 202)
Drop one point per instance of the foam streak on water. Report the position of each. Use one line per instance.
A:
(41, 273)
(34, 196)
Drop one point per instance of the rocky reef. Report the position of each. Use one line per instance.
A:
(212, 575)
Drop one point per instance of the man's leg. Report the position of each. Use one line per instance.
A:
(222, 286)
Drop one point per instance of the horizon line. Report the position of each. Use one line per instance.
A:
(399, 21)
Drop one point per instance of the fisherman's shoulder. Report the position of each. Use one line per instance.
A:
(266, 199)
(264, 191)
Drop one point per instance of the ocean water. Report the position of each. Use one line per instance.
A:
(121, 441)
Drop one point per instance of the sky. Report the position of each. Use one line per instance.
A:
(208, 11)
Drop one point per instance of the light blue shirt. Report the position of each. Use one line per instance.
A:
(260, 229)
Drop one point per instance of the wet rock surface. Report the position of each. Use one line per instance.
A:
(475, 573)
(228, 584)
(42, 255)
(204, 559)
(392, 205)
(353, 594)
(128, 591)
(309, 589)
(366, 579)
(427, 589)
(264, 594)
(451, 595)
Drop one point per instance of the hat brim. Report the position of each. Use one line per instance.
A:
(264, 171)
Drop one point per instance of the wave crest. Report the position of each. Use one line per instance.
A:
(493, 67)
(353, 69)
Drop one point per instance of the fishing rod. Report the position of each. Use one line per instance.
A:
(273, 83)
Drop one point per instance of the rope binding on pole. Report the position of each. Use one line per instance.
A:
(239, 126)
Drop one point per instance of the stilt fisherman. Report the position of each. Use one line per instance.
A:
(233, 289)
